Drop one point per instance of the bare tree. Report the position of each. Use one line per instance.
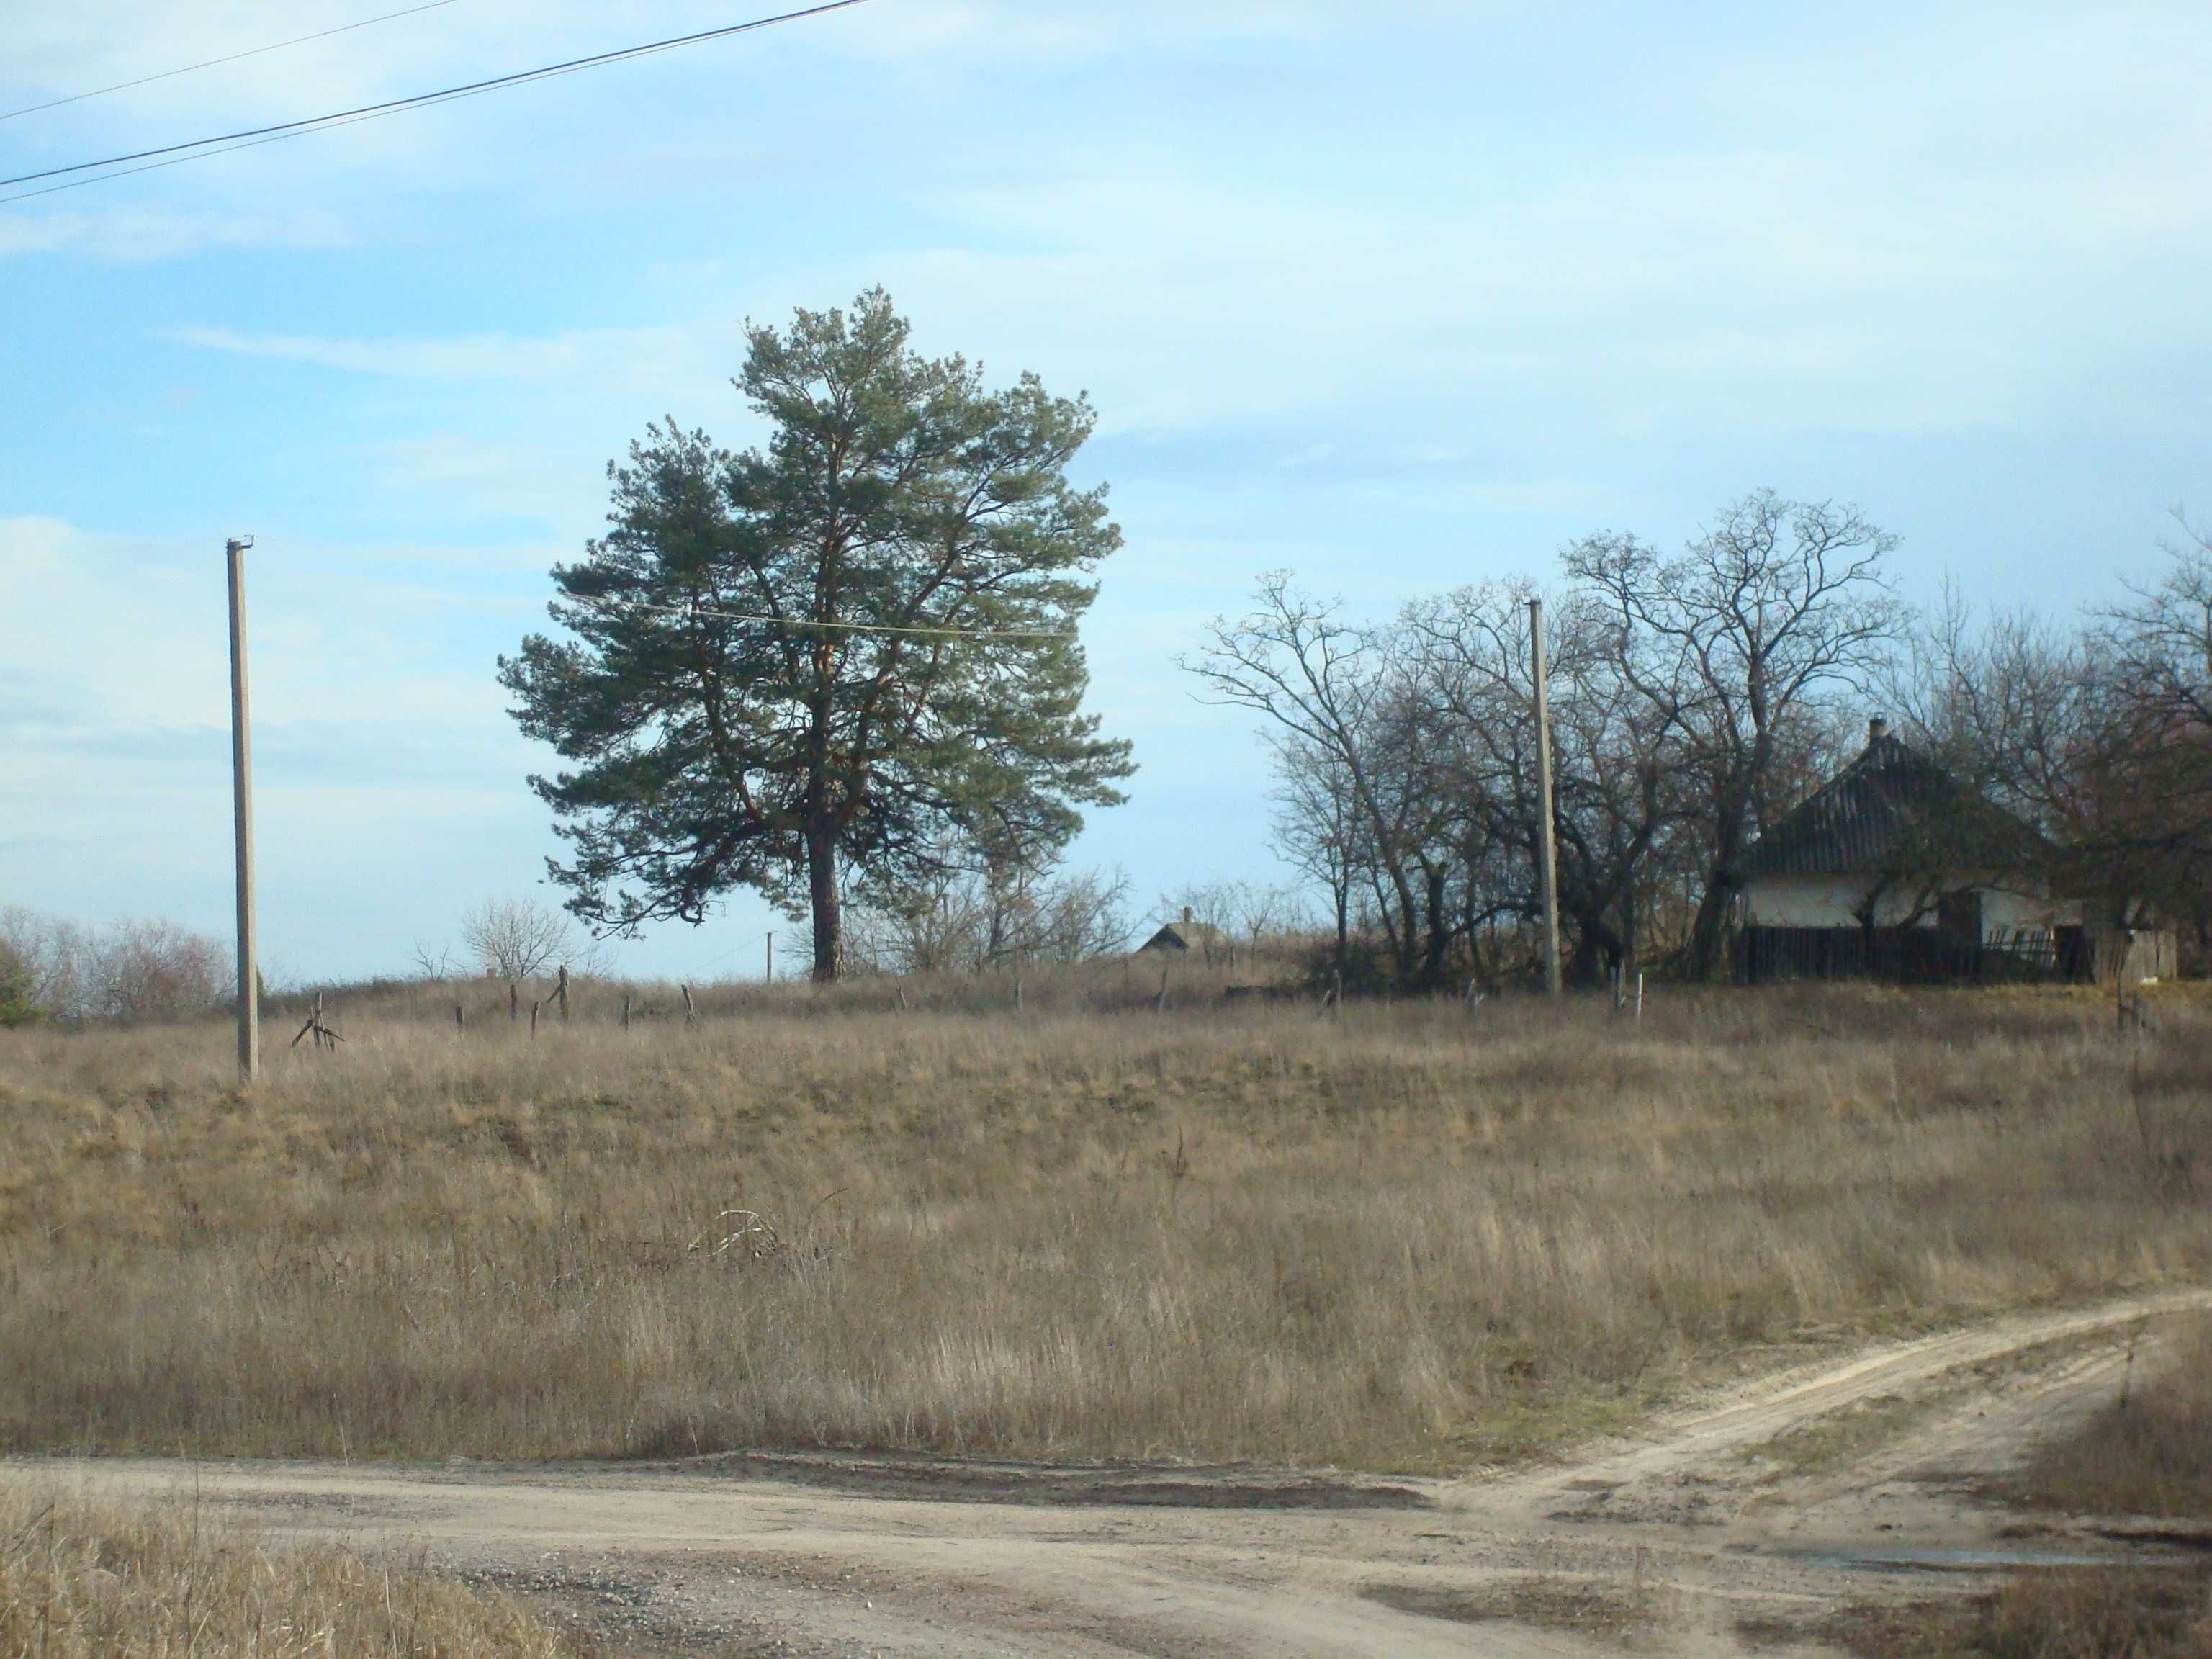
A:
(1323, 682)
(971, 919)
(130, 972)
(1740, 645)
(1316, 828)
(2007, 702)
(2099, 734)
(143, 971)
(429, 964)
(56, 954)
(2144, 777)
(514, 939)
(1617, 805)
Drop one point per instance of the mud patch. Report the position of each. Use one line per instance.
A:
(1584, 1607)
(1105, 1486)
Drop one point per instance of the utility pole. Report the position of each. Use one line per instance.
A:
(771, 957)
(1548, 852)
(242, 781)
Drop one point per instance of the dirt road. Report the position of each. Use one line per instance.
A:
(1717, 1531)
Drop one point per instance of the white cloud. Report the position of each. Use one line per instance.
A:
(138, 235)
(475, 358)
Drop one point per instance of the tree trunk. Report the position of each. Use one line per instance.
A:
(1706, 931)
(1439, 930)
(822, 892)
(1597, 949)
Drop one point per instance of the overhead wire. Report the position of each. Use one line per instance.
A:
(212, 63)
(688, 611)
(248, 138)
(178, 160)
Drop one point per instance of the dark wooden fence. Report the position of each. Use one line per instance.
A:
(1936, 956)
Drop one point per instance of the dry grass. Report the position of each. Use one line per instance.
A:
(82, 1581)
(1409, 1239)
(2148, 1453)
(2087, 1613)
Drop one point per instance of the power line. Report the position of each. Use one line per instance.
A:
(689, 610)
(219, 143)
(211, 63)
(173, 161)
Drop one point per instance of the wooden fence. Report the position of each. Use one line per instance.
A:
(1935, 956)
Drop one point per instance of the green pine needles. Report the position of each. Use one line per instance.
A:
(839, 655)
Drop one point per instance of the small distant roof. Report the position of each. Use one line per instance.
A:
(1892, 809)
(1186, 935)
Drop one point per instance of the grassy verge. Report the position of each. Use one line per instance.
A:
(2148, 1453)
(1411, 1238)
(2104, 1612)
(83, 1581)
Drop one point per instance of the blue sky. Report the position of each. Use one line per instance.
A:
(1395, 296)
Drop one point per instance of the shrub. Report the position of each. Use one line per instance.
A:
(144, 971)
(17, 1007)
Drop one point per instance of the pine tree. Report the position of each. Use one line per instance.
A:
(835, 654)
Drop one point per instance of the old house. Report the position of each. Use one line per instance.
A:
(1895, 869)
(1190, 934)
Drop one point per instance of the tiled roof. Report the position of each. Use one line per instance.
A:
(1889, 810)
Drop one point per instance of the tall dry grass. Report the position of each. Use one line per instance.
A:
(1410, 1238)
(82, 1580)
(2146, 1451)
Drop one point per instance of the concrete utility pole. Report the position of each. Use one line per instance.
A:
(771, 959)
(1548, 852)
(241, 779)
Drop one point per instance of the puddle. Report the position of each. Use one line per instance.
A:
(1908, 1559)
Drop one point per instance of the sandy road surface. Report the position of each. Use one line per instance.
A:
(1838, 1483)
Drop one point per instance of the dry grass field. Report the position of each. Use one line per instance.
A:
(2147, 1454)
(1416, 1238)
(82, 1580)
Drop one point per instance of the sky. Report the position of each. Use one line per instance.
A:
(1394, 295)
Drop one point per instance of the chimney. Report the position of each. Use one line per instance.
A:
(1186, 916)
(1877, 729)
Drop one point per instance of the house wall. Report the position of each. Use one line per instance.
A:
(2015, 911)
(1817, 901)
(1834, 902)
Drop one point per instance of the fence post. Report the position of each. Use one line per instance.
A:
(691, 1009)
(533, 1020)
(514, 1002)
(460, 1021)
(1160, 1003)
(325, 1038)
(561, 993)
(625, 1010)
